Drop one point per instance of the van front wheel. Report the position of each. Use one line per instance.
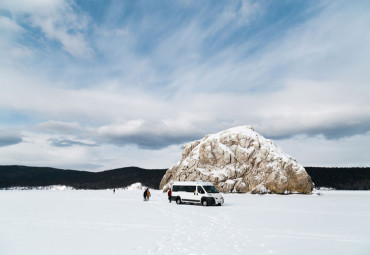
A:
(204, 202)
(178, 201)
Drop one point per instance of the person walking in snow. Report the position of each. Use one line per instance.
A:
(144, 194)
(147, 194)
(169, 195)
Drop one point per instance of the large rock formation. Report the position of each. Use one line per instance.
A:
(239, 160)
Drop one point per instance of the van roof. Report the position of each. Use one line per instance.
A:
(189, 183)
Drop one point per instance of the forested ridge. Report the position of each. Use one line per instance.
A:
(342, 178)
(24, 176)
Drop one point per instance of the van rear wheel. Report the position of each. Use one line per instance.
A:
(204, 202)
(178, 201)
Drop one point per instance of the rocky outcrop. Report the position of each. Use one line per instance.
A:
(239, 160)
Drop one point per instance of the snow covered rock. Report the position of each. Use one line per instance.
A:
(239, 160)
(135, 186)
(51, 187)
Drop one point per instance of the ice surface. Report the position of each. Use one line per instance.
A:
(100, 222)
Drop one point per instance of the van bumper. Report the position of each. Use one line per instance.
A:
(215, 201)
(219, 201)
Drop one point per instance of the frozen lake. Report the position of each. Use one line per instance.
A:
(98, 222)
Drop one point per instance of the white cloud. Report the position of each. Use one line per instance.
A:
(21, 52)
(318, 151)
(8, 24)
(147, 134)
(240, 12)
(57, 20)
(35, 6)
(36, 150)
(59, 127)
(300, 107)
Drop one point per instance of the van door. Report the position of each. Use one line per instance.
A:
(189, 194)
(193, 194)
(200, 193)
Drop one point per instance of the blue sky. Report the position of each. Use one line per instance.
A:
(101, 84)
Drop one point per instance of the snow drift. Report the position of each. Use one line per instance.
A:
(239, 160)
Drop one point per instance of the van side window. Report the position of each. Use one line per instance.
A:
(200, 190)
(176, 188)
(190, 188)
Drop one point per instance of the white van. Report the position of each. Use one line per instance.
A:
(197, 192)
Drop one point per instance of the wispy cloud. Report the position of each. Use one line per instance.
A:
(8, 24)
(59, 127)
(57, 20)
(147, 135)
(63, 142)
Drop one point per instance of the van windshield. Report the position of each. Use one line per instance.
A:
(211, 189)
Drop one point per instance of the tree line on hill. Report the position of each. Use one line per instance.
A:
(341, 178)
(22, 176)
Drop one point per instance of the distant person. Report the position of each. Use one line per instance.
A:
(114, 191)
(169, 195)
(147, 194)
(144, 194)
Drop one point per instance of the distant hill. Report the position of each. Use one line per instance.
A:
(24, 176)
(342, 178)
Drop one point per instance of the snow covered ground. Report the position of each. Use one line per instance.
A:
(99, 222)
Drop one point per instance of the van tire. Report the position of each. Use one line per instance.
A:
(205, 202)
(178, 200)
